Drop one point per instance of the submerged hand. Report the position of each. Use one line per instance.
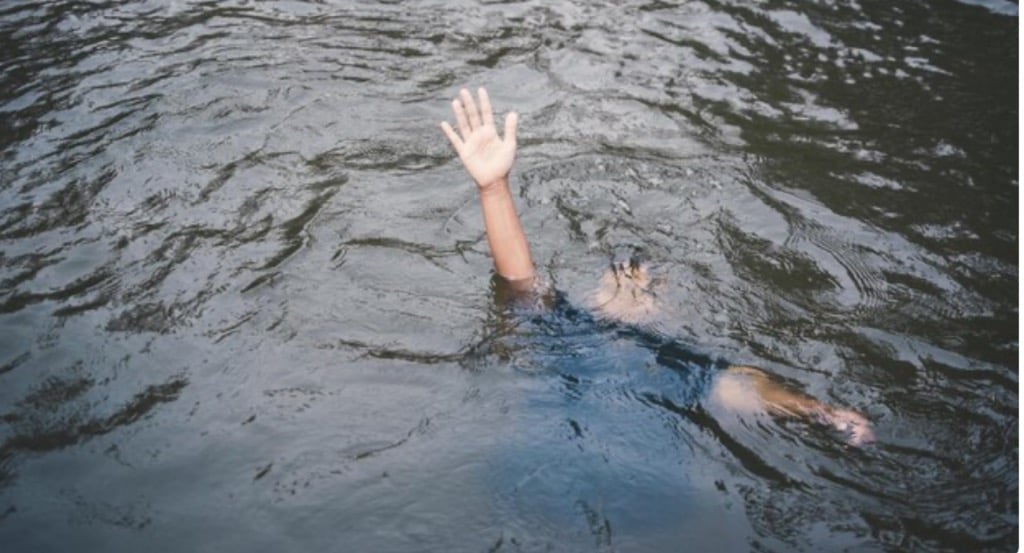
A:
(487, 157)
(853, 425)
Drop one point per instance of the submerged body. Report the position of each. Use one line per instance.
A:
(625, 296)
(595, 424)
(602, 416)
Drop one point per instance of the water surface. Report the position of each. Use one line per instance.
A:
(244, 289)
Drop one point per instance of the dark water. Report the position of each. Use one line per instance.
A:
(243, 283)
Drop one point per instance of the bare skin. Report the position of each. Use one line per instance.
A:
(749, 391)
(625, 290)
(488, 159)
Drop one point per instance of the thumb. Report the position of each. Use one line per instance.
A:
(510, 127)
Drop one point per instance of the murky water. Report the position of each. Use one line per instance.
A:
(244, 291)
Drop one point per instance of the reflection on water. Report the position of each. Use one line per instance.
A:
(242, 279)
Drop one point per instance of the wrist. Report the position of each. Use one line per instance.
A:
(496, 187)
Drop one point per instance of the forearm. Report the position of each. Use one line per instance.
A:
(505, 235)
(781, 400)
(488, 159)
(733, 390)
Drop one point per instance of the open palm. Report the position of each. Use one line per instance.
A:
(487, 157)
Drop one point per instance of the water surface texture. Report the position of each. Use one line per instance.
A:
(246, 300)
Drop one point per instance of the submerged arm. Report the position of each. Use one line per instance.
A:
(746, 389)
(488, 159)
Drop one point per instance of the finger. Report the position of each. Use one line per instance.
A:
(460, 117)
(452, 137)
(471, 111)
(485, 106)
(511, 121)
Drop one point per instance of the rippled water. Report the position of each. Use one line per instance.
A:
(242, 277)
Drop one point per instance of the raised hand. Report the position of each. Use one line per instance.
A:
(487, 157)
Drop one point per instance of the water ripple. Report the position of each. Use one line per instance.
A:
(214, 212)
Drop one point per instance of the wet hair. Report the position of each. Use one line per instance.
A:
(627, 260)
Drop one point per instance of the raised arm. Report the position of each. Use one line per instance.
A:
(488, 159)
